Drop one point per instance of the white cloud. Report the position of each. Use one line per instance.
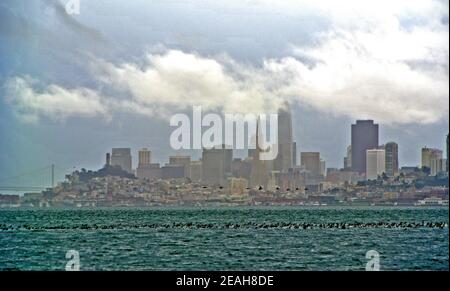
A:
(345, 80)
(176, 80)
(385, 60)
(352, 77)
(54, 102)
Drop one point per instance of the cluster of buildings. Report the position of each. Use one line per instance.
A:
(371, 172)
(366, 159)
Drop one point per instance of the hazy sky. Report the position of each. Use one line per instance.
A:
(72, 87)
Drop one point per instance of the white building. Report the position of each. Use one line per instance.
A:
(375, 163)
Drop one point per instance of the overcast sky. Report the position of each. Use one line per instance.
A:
(73, 86)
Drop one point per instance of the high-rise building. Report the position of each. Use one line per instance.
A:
(284, 160)
(348, 158)
(437, 166)
(323, 168)
(145, 157)
(391, 149)
(216, 165)
(258, 172)
(433, 160)
(364, 137)
(145, 169)
(122, 157)
(375, 163)
(428, 155)
(294, 154)
(310, 161)
(184, 161)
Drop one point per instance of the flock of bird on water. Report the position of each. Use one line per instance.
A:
(248, 225)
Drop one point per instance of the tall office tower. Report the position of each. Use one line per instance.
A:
(364, 137)
(122, 157)
(310, 161)
(430, 154)
(391, 149)
(348, 158)
(145, 157)
(432, 159)
(216, 165)
(108, 159)
(258, 172)
(375, 163)
(184, 161)
(323, 168)
(284, 160)
(437, 166)
(294, 154)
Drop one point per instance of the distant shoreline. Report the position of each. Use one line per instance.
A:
(225, 207)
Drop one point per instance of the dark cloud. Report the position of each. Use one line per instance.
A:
(70, 22)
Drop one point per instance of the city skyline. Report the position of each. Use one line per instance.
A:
(390, 145)
(216, 163)
(69, 104)
(132, 164)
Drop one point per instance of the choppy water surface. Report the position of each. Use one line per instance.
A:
(278, 238)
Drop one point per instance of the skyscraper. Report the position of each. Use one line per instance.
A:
(145, 169)
(323, 168)
(364, 137)
(375, 163)
(284, 160)
(216, 165)
(437, 166)
(258, 172)
(428, 155)
(145, 157)
(294, 154)
(391, 149)
(432, 159)
(121, 157)
(310, 161)
(348, 158)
